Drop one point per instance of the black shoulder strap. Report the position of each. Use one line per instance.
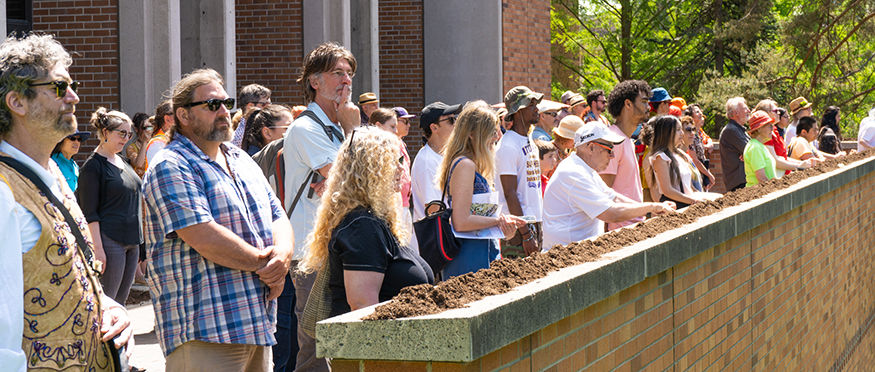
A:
(332, 133)
(71, 222)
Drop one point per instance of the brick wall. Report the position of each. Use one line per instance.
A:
(89, 31)
(526, 44)
(401, 62)
(792, 294)
(270, 47)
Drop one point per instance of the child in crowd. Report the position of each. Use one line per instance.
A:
(549, 156)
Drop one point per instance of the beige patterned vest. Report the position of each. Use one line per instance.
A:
(62, 293)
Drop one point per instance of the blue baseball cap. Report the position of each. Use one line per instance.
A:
(659, 95)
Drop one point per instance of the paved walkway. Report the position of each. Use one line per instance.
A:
(147, 352)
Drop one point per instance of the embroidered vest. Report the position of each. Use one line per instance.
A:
(62, 293)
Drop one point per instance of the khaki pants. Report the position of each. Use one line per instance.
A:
(196, 356)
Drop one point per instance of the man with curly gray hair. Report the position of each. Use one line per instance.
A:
(46, 246)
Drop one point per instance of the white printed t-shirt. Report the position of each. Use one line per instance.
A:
(422, 180)
(574, 198)
(518, 156)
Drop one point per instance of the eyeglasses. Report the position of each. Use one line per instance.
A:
(689, 129)
(451, 119)
(148, 127)
(60, 86)
(123, 133)
(76, 138)
(553, 114)
(340, 73)
(213, 104)
(610, 148)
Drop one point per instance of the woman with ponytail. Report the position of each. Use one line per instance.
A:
(109, 195)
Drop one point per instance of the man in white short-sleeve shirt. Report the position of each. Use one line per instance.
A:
(866, 137)
(577, 198)
(518, 171)
(436, 120)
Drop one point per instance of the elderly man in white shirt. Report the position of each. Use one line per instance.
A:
(577, 200)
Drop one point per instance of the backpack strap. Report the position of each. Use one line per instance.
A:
(332, 133)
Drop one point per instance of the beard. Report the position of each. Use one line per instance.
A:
(214, 133)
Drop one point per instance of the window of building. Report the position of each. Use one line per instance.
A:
(19, 15)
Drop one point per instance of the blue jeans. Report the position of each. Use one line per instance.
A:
(286, 347)
(474, 255)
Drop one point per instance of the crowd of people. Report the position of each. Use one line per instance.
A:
(230, 216)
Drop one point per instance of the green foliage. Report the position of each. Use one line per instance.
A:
(708, 51)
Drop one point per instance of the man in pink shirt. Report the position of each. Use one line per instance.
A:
(628, 104)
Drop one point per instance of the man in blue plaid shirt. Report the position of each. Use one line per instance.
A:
(219, 244)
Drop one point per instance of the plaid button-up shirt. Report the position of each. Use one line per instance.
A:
(194, 298)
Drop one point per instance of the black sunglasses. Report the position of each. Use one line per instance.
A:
(451, 119)
(77, 139)
(213, 104)
(60, 86)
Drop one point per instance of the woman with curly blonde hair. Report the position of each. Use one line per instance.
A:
(468, 167)
(358, 232)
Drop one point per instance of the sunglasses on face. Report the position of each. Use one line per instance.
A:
(213, 104)
(451, 119)
(610, 148)
(553, 114)
(123, 133)
(76, 139)
(60, 86)
(689, 129)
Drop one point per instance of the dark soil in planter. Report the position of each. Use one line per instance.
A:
(503, 275)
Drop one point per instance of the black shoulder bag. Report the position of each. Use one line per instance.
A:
(437, 243)
(119, 358)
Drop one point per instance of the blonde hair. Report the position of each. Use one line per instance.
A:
(474, 130)
(362, 176)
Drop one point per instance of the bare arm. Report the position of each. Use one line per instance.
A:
(140, 160)
(623, 211)
(220, 245)
(362, 288)
(462, 190)
(661, 173)
(702, 170)
(761, 175)
(786, 164)
(609, 179)
(864, 145)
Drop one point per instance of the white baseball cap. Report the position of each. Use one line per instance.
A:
(591, 132)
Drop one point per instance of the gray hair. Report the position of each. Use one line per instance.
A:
(23, 61)
(732, 105)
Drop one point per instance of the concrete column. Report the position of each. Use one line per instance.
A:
(207, 39)
(149, 52)
(3, 15)
(327, 20)
(462, 50)
(366, 47)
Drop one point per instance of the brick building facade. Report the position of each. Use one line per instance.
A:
(269, 40)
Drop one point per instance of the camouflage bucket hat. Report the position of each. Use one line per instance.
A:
(520, 97)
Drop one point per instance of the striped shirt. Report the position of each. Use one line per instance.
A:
(194, 298)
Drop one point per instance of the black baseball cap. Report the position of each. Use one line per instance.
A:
(433, 111)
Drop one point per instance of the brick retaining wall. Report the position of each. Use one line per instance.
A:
(790, 292)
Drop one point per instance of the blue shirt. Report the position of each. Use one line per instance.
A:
(68, 168)
(194, 298)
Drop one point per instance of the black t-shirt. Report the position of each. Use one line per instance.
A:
(363, 242)
(111, 196)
